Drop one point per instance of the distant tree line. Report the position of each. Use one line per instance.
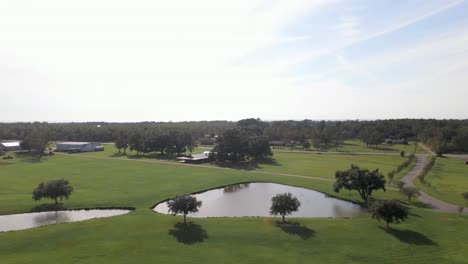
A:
(146, 141)
(441, 135)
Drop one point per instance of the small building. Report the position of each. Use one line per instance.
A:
(79, 146)
(10, 146)
(197, 158)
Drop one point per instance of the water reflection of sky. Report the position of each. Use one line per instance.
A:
(254, 199)
(30, 220)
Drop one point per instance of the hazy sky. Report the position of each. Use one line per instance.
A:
(211, 59)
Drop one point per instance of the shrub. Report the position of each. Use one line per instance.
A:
(426, 169)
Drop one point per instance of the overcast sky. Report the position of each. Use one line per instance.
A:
(176, 60)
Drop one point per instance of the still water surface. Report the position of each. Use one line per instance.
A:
(254, 199)
(30, 220)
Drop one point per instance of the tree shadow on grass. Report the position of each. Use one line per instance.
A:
(248, 165)
(410, 237)
(48, 207)
(156, 156)
(118, 155)
(189, 233)
(421, 204)
(295, 228)
(28, 157)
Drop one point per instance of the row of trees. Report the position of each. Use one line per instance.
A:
(281, 204)
(284, 204)
(171, 142)
(442, 135)
(365, 182)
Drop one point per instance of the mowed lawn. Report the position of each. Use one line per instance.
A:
(147, 237)
(355, 145)
(447, 181)
(325, 165)
(299, 163)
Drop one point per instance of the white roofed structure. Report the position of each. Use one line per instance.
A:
(71, 146)
(10, 146)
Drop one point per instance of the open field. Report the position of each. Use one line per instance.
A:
(306, 164)
(359, 146)
(447, 180)
(355, 145)
(146, 237)
(325, 165)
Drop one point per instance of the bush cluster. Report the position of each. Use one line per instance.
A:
(422, 174)
(400, 167)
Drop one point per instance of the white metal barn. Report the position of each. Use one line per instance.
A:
(10, 146)
(79, 146)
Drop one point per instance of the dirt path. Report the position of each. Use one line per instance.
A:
(432, 202)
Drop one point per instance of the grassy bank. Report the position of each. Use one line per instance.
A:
(447, 180)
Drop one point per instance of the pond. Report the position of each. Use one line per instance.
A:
(254, 199)
(31, 220)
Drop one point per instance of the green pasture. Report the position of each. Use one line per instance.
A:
(447, 180)
(147, 237)
(299, 163)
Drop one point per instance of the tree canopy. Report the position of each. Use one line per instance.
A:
(54, 189)
(391, 211)
(410, 191)
(361, 180)
(284, 204)
(36, 140)
(236, 144)
(184, 204)
(441, 135)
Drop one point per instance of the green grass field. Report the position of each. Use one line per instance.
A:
(359, 146)
(306, 164)
(146, 237)
(325, 165)
(447, 181)
(355, 145)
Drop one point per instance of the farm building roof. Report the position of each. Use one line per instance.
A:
(11, 144)
(194, 157)
(73, 143)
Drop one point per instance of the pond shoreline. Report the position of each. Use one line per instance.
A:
(309, 195)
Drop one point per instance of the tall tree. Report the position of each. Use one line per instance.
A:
(410, 191)
(361, 180)
(252, 126)
(54, 189)
(37, 140)
(121, 142)
(284, 204)
(259, 148)
(137, 142)
(391, 211)
(184, 204)
(231, 145)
